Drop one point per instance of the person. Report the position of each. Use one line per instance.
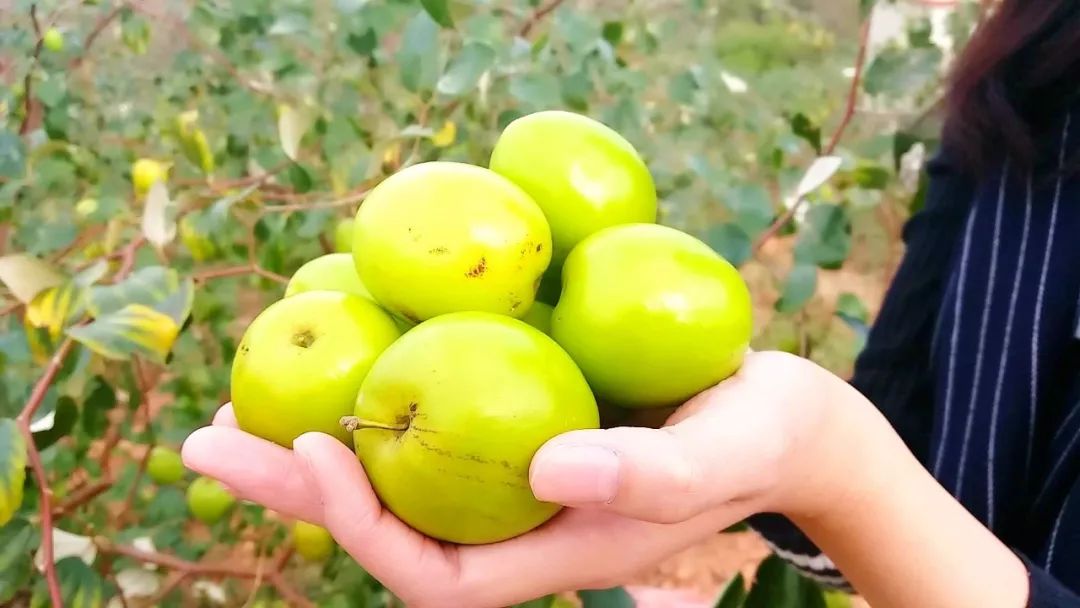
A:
(944, 473)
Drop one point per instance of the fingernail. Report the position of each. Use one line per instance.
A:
(575, 475)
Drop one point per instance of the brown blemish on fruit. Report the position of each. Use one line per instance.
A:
(514, 305)
(539, 247)
(438, 251)
(303, 339)
(410, 315)
(478, 270)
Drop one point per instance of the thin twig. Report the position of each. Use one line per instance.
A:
(28, 83)
(341, 202)
(99, 27)
(849, 114)
(37, 396)
(538, 16)
(186, 568)
(80, 498)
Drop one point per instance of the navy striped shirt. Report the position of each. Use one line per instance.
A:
(975, 360)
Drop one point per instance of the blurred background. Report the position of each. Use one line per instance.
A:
(787, 134)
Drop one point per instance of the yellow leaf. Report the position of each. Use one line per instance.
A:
(12, 469)
(52, 308)
(446, 135)
(134, 329)
(27, 276)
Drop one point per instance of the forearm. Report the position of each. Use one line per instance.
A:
(895, 533)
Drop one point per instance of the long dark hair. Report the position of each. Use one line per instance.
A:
(1013, 82)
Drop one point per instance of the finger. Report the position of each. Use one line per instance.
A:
(579, 549)
(253, 469)
(226, 416)
(399, 557)
(659, 475)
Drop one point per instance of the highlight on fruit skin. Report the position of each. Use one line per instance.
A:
(652, 315)
(582, 173)
(442, 237)
(450, 415)
(301, 361)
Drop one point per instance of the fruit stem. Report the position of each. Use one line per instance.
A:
(352, 423)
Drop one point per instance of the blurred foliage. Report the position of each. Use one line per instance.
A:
(272, 118)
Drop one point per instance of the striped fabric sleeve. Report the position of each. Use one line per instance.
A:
(1045, 590)
(893, 370)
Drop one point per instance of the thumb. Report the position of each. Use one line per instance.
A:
(646, 474)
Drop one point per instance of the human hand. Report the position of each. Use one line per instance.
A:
(637, 495)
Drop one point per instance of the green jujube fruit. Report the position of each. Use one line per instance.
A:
(450, 416)
(651, 315)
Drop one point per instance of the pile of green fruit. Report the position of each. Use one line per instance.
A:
(483, 311)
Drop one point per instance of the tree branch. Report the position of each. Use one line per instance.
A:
(28, 83)
(834, 141)
(538, 16)
(183, 568)
(80, 498)
(37, 396)
(99, 27)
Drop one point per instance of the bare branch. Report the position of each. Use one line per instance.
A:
(849, 114)
(37, 396)
(538, 16)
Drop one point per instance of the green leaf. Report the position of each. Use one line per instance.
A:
(543, 602)
(799, 287)
(153, 286)
(12, 469)
(538, 91)
(871, 176)
(825, 238)
(752, 206)
(900, 72)
(63, 420)
(848, 306)
(801, 126)
(363, 44)
(27, 276)
(606, 598)
(852, 312)
(12, 155)
(730, 241)
(95, 408)
(141, 315)
(439, 11)
(135, 329)
(466, 69)
(18, 540)
(733, 595)
(418, 57)
(866, 7)
(778, 585)
(80, 585)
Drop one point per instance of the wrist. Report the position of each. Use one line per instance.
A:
(832, 452)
